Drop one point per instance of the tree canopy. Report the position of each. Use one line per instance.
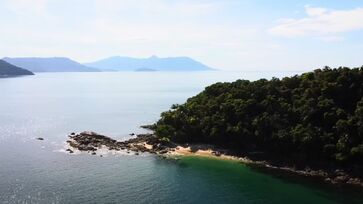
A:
(316, 115)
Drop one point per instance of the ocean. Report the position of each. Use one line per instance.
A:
(52, 105)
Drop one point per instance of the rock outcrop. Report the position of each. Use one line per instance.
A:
(91, 142)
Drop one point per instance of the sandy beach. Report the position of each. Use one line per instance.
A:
(203, 151)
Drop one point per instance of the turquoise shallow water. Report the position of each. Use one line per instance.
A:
(54, 104)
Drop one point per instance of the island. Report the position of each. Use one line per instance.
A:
(310, 121)
(309, 124)
(119, 63)
(49, 64)
(7, 69)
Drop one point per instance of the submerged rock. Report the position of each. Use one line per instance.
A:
(69, 150)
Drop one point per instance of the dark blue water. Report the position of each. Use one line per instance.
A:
(116, 104)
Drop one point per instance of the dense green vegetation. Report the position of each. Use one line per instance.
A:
(316, 116)
(7, 69)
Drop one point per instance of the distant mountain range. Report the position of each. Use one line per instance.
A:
(63, 64)
(7, 69)
(152, 63)
(54, 64)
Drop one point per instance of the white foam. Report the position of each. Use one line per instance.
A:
(104, 151)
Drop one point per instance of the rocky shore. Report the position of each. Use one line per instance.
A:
(91, 142)
(331, 176)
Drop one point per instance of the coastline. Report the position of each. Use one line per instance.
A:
(91, 142)
(338, 177)
(204, 150)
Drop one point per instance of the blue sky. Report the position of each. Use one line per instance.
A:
(250, 35)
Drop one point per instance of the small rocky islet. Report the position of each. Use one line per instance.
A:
(91, 142)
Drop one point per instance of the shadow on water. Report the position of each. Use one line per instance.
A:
(351, 193)
(266, 186)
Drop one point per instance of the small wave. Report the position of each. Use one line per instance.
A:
(103, 151)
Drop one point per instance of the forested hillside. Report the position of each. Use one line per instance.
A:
(316, 116)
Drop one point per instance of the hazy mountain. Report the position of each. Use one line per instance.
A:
(145, 70)
(53, 64)
(152, 63)
(7, 69)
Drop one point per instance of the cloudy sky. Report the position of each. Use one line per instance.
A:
(249, 35)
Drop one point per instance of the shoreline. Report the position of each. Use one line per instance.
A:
(92, 142)
(203, 150)
(339, 177)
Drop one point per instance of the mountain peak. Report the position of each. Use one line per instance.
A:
(153, 62)
(153, 57)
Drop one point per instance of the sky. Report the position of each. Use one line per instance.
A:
(244, 35)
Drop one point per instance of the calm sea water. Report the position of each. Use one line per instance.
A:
(52, 105)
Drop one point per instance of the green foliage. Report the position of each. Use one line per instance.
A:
(316, 115)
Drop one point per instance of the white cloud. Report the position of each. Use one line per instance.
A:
(322, 23)
(185, 7)
(206, 30)
(22, 7)
(332, 38)
(126, 27)
(315, 11)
